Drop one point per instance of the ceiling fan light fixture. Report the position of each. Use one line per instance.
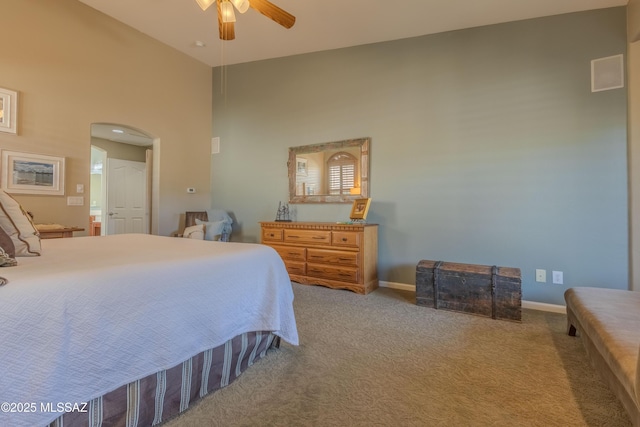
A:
(241, 5)
(204, 4)
(227, 11)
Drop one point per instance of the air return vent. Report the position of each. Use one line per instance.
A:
(607, 73)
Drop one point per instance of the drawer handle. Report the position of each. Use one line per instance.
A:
(344, 239)
(318, 237)
(272, 235)
(344, 259)
(315, 256)
(293, 237)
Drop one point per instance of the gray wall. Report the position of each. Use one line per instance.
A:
(487, 146)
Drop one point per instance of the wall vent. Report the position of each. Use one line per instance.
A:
(607, 73)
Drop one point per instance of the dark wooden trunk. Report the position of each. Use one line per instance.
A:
(476, 289)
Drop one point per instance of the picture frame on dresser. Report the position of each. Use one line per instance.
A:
(360, 209)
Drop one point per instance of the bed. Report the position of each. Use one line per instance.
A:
(130, 329)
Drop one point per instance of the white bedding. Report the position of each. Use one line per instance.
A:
(94, 313)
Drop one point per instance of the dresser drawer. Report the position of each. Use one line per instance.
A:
(272, 235)
(336, 255)
(325, 256)
(291, 252)
(294, 267)
(345, 238)
(343, 274)
(314, 237)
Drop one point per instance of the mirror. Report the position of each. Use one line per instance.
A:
(332, 172)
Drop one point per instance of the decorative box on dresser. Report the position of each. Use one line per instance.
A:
(339, 256)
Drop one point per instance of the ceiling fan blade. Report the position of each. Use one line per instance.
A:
(226, 29)
(204, 4)
(273, 12)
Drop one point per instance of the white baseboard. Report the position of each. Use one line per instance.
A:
(542, 306)
(532, 305)
(396, 285)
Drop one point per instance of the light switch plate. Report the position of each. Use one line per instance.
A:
(75, 201)
(558, 277)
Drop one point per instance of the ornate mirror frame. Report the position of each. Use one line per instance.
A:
(294, 152)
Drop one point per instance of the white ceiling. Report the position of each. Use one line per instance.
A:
(321, 24)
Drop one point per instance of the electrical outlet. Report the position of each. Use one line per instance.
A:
(541, 275)
(558, 277)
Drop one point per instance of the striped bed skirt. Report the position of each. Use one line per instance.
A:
(165, 394)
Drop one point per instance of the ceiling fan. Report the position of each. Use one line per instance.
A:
(226, 16)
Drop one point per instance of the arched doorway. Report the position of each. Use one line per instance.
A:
(123, 190)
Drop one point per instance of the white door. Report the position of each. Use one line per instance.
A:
(126, 197)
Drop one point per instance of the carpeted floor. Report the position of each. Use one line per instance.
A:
(380, 360)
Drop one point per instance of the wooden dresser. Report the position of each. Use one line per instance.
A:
(56, 232)
(340, 256)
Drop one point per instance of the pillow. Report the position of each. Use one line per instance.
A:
(194, 232)
(212, 230)
(17, 223)
(218, 215)
(7, 244)
(6, 260)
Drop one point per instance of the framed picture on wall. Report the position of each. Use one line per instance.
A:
(8, 110)
(25, 173)
(301, 166)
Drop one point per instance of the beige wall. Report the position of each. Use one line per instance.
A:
(633, 78)
(74, 66)
(117, 150)
(633, 20)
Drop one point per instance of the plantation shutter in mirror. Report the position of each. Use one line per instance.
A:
(342, 171)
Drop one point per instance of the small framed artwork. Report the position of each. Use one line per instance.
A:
(8, 110)
(360, 209)
(25, 173)
(301, 166)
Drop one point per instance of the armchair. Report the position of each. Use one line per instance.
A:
(211, 215)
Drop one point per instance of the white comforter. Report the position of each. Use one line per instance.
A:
(94, 313)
